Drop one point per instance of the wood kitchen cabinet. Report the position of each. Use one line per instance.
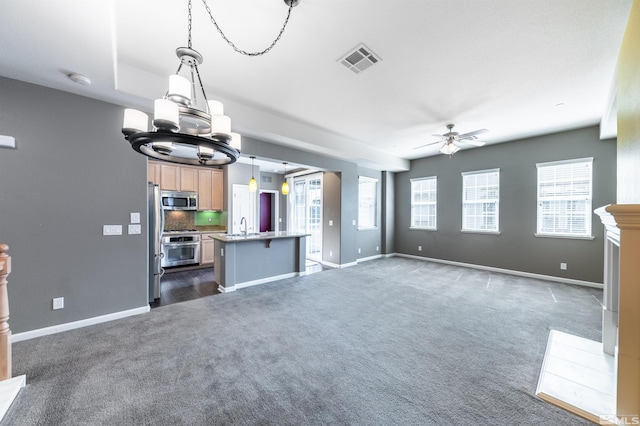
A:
(172, 177)
(188, 179)
(153, 172)
(169, 177)
(206, 249)
(210, 189)
(217, 198)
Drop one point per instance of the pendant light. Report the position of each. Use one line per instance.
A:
(253, 183)
(285, 184)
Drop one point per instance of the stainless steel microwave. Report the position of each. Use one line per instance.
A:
(175, 200)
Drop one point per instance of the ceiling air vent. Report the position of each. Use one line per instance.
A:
(359, 59)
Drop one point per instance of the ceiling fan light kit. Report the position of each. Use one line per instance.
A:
(187, 127)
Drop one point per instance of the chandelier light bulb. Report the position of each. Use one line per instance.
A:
(179, 89)
(166, 115)
(215, 107)
(220, 124)
(236, 141)
(134, 121)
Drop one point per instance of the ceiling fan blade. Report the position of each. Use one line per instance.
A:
(425, 145)
(472, 134)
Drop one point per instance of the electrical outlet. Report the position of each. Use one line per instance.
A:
(419, 248)
(563, 266)
(353, 222)
(330, 223)
(330, 254)
(209, 219)
(135, 229)
(377, 248)
(359, 250)
(58, 303)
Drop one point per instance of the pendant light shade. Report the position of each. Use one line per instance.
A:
(285, 184)
(253, 183)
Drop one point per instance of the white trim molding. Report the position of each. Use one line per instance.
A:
(238, 286)
(365, 259)
(504, 271)
(78, 324)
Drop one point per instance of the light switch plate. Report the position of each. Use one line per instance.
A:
(134, 229)
(7, 142)
(111, 229)
(135, 218)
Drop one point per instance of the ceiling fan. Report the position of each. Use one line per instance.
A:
(450, 138)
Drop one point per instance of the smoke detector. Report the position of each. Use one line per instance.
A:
(359, 59)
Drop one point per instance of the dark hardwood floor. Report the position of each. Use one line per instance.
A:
(181, 286)
(184, 285)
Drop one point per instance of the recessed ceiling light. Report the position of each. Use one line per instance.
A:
(79, 78)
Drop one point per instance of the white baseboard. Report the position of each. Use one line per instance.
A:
(504, 271)
(365, 259)
(339, 265)
(8, 391)
(257, 282)
(77, 324)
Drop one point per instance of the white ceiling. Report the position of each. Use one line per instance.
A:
(502, 65)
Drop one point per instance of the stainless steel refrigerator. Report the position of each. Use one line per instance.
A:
(156, 225)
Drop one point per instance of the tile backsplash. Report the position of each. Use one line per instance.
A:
(205, 221)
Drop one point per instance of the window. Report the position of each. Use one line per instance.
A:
(424, 202)
(564, 198)
(481, 201)
(367, 202)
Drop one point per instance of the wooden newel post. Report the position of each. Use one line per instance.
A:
(5, 331)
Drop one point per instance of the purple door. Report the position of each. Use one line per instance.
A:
(265, 212)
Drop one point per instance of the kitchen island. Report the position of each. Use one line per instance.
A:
(246, 260)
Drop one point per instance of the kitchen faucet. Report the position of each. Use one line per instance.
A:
(245, 225)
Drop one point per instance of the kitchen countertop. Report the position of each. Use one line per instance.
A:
(257, 236)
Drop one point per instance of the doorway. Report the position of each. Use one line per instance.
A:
(306, 211)
(269, 211)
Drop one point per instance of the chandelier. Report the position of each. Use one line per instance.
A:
(188, 128)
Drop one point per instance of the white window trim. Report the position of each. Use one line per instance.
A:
(481, 231)
(424, 228)
(562, 163)
(375, 205)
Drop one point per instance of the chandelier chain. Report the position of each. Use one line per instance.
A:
(189, 27)
(243, 52)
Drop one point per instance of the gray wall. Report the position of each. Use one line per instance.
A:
(516, 248)
(370, 240)
(387, 214)
(72, 173)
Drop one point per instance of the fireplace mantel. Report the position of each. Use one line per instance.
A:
(622, 223)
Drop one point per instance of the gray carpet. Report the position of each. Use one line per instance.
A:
(388, 342)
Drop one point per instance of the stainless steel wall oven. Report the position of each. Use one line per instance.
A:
(180, 249)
